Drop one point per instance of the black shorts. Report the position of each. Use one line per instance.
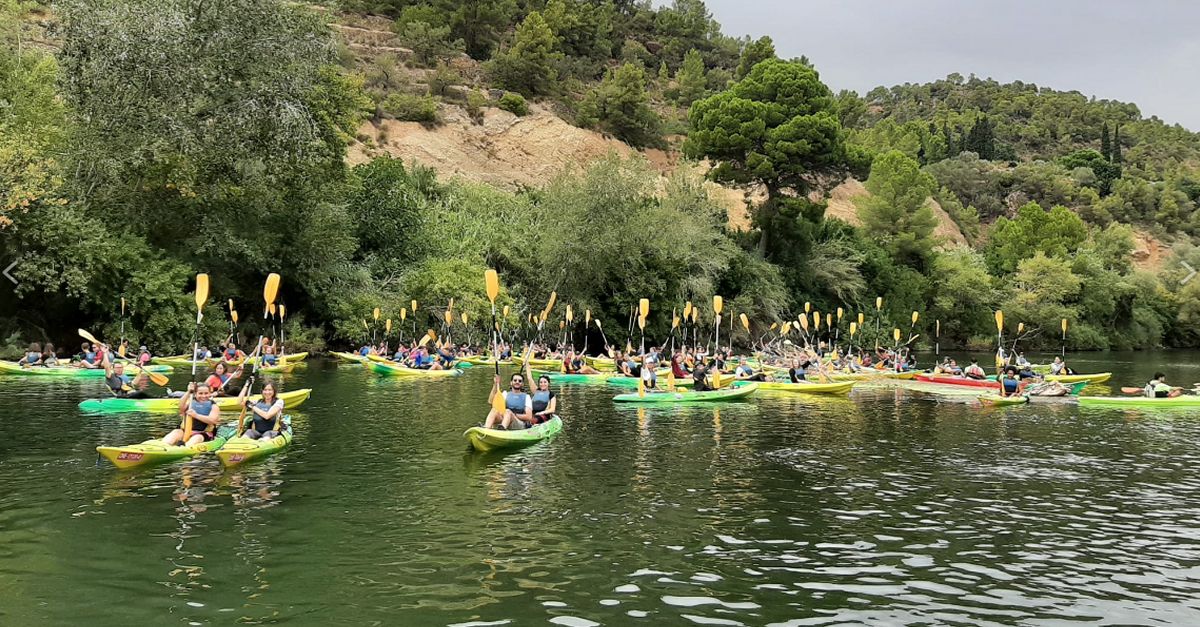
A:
(537, 420)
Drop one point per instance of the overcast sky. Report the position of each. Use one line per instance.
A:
(1146, 52)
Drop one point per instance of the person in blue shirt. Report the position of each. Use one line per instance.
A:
(518, 405)
(33, 356)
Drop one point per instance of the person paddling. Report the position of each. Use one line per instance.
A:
(120, 384)
(198, 404)
(543, 402)
(798, 371)
(32, 356)
(700, 378)
(974, 371)
(744, 372)
(1158, 388)
(518, 406)
(219, 378)
(1009, 384)
(267, 420)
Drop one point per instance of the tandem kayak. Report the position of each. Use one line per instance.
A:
(961, 381)
(350, 357)
(171, 405)
(484, 440)
(250, 361)
(243, 449)
(840, 387)
(562, 377)
(1140, 401)
(996, 399)
(10, 367)
(397, 370)
(545, 364)
(156, 452)
(281, 367)
(731, 394)
(1098, 377)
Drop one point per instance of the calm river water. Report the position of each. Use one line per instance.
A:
(890, 507)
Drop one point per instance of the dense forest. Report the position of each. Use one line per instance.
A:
(142, 141)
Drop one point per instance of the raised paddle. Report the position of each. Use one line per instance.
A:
(201, 298)
(158, 378)
(492, 281)
(270, 291)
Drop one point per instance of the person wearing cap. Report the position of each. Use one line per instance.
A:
(143, 355)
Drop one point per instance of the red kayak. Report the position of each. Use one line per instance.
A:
(953, 380)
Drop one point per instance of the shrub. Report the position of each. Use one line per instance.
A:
(476, 101)
(410, 107)
(514, 103)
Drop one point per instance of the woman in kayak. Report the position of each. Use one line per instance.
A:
(1060, 367)
(518, 406)
(32, 357)
(744, 372)
(232, 354)
(91, 357)
(700, 378)
(266, 422)
(798, 370)
(268, 356)
(974, 371)
(120, 384)
(198, 404)
(49, 356)
(544, 403)
(678, 369)
(217, 380)
(1010, 384)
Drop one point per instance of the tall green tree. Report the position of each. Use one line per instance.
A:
(1055, 233)
(479, 23)
(690, 80)
(528, 66)
(778, 127)
(755, 51)
(897, 213)
(621, 106)
(981, 140)
(1105, 143)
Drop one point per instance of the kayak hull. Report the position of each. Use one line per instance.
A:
(959, 381)
(559, 377)
(544, 364)
(999, 401)
(869, 375)
(9, 367)
(396, 370)
(290, 399)
(350, 357)
(153, 452)
(1140, 401)
(242, 449)
(1098, 377)
(484, 440)
(730, 394)
(837, 388)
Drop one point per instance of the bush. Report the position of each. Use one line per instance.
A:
(410, 107)
(476, 101)
(514, 103)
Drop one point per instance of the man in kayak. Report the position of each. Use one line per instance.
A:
(1021, 361)
(202, 354)
(120, 383)
(1158, 388)
(700, 378)
(974, 371)
(198, 404)
(267, 413)
(744, 372)
(518, 406)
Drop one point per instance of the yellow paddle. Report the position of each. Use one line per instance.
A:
(157, 378)
(270, 292)
(492, 282)
(201, 298)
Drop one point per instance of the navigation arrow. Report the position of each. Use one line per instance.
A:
(16, 282)
(1191, 272)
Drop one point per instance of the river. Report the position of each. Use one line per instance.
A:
(888, 507)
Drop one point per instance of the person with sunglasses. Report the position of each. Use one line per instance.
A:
(518, 405)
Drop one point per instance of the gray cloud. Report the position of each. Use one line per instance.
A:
(1147, 53)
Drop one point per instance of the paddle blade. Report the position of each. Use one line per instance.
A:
(230, 305)
(498, 402)
(413, 305)
(853, 328)
(828, 321)
(570, 315)
(687, 310)
(549, 305)
(201, 291)
(492, 280)
(1020, 327)
(896, 334)
(937, 328)
(282, 311)
(674, 322)
(745, 322)
(807, 307)
(271, 288)
(840, 312)
(88, 336)
(642, 323)
(598, 324)
(878, 303)
(365, 324)
(123, 305)
(718, 304)
(464, 318)
(451, 305)
(915, 316)
(816, 316)
(375, 314)
(403, 314)
(449, 316)
(1064, 326)
(587, 317)
(999, 321)
(158, 378)
(644, 307)
(387, 326)
(271, 309)
(234, 316)
(861, 317)
(803, 323)
(506, 311)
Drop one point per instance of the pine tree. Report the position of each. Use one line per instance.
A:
(951, 149)
(981, 140)
(1105, 145)
(690, 78)
(1116, 145)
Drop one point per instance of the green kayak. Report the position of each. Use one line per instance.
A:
(1140, 401)
(731, 394)
(9, 367)
(484, 440)
(155, 452)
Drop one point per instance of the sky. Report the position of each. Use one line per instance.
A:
(1147, 52)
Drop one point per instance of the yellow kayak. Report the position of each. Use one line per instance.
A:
(169, 405)
(1099, 377)
(603, 364)
(350, 357)
(482, 360)
(841, 387)
(544, 364)
(243, 449)
(867, 375)
(484, 440)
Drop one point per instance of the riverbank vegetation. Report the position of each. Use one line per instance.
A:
(142, 145)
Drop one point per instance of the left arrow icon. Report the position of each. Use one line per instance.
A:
(9, 276)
